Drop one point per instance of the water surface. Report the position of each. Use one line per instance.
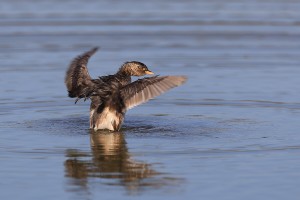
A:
(231, 132)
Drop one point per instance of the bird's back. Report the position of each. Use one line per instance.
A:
(116, 80)
(109, 109)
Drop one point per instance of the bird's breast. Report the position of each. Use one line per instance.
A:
(108, 119)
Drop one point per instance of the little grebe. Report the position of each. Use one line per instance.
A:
(111, 96)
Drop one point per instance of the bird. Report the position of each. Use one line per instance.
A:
(112, 95)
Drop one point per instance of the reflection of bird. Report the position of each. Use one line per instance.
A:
(113, 95)
(111, 156)
(110, 160)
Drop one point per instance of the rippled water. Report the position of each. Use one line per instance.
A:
(231, 132)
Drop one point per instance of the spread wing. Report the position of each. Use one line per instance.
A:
(142, 90)
(77, 79)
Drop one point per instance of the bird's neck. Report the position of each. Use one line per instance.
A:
(124, 71)
(124, 76)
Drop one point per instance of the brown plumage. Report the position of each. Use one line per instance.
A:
(111, 96)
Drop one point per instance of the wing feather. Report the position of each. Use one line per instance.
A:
(78, 81)
(142, 90)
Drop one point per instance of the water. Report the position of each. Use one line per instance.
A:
(231, 132)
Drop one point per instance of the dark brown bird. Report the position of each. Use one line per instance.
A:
(111, 96)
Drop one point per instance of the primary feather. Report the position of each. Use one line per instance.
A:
(78, 81)
(145, 89)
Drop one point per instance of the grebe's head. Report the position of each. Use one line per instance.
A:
(135, 68)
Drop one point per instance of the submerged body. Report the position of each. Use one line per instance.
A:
(111, 96)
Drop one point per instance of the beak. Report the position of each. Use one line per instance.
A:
(149, 72)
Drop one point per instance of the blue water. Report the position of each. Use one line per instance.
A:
(231, 132)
